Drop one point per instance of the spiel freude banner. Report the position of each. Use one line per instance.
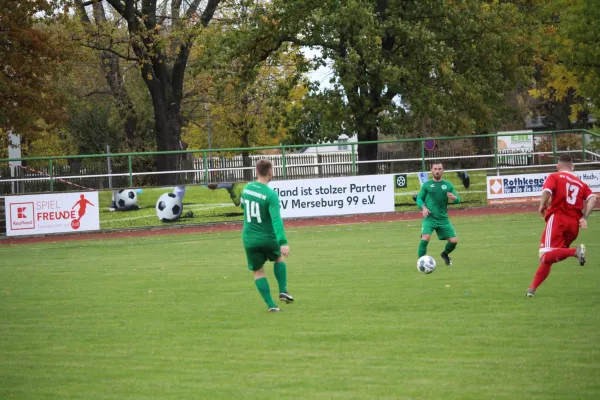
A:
(335, 196)
(52, 213)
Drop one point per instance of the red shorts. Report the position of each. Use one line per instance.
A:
(560, 232)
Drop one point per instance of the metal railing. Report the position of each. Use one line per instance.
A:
(120, 170)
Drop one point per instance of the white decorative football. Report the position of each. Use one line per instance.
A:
(426, 264)
(126, 199)
(169, 207)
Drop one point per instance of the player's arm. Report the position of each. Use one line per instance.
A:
(547, 191)
(453, 195)
(544, 201)
(590, 204)
(421, 200)
(276, 220)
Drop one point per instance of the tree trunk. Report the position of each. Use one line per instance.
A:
(245, 136)
(167, 122)
(368, 152)
(168, 134)
(246, 160)
(166, 102)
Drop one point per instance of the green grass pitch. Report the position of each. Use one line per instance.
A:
(178, 317)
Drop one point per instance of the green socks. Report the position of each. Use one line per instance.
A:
(262, 285)
(281, 275)
(423, 248)
(449, 247)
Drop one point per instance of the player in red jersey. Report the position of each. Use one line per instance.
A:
(571, 202)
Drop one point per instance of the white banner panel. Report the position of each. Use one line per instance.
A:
(52, 213)
(527, 188)
(516, 142)
(335, 196)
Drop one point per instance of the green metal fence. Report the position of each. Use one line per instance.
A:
(475, 152)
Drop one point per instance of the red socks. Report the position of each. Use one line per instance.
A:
(540, 275)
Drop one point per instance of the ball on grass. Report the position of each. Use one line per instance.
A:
(169, 207)
(426, 264)
(126, 199)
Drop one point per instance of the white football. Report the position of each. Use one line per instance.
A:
(169, 207)
(426, 264)
(126, 199)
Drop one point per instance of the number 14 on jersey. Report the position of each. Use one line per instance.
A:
(252, 211)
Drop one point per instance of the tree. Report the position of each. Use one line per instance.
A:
(246, 101)
(160, 37)
(310, 122)
(404, 64)
(580, 28)
(30, 58)
(110, 66)
(559, 96)
(561, 91)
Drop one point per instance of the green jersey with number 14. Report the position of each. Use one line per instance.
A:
(262, 220)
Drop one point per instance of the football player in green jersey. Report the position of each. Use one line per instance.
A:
(433, 200)
(263, 234)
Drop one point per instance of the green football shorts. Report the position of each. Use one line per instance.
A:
(444, 229)
(258, 255)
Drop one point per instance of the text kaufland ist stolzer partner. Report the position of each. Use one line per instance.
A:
(356, 194)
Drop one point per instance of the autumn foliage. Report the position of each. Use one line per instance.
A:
(31, 57)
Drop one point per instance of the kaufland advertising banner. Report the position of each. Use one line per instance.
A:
(335, 196)
(52, 213)
(527, 188)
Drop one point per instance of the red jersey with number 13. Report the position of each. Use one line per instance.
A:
(569, 194)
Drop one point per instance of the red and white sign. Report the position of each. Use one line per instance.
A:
(527, 188)
(52, 213)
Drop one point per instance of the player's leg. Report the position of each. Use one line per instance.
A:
(570, 234)
(281, 275)
(256, 260)
(565, 231)
(427, 228)
(113, 202)
(280, 269)
(552, 240)
(447, 232)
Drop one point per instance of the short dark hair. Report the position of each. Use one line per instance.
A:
(263, 166)
(565, 158)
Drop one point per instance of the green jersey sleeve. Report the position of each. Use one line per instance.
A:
(276, 219)
(453, 191)
(421, 196)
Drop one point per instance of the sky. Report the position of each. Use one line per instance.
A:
(323, 74)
